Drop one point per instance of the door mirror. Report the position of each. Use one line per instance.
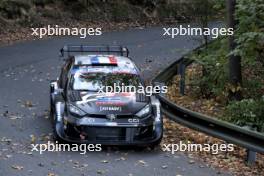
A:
(59, 90)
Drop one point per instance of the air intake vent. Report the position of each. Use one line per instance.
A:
(75, 96)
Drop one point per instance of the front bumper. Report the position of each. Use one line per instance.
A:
(146, 132)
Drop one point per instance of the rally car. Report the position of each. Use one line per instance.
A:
(81, 113)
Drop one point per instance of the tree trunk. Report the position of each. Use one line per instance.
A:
(235, 76)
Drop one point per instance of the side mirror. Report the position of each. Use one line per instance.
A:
(53, 85)
(59, 91)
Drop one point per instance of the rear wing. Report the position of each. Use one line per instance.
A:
(72, 50)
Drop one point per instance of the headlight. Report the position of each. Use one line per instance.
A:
(144, 112)
(74, 110)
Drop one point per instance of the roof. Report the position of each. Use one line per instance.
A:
(104, 63)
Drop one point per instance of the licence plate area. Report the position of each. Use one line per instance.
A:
(106, 133)
(117, 134)
(111, 132)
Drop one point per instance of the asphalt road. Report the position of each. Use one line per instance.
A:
(25, 71)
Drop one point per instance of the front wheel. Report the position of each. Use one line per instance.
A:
(155, 144)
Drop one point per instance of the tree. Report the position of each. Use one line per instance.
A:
(235, 76)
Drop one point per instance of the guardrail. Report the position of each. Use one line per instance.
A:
(253, 141)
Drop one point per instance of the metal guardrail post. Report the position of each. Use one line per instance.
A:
(182, 81)
(251, 157)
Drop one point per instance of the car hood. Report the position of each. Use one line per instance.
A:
(108, 103)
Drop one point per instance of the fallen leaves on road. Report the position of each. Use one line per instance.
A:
(51, 174)
(164, 166)
(100, 172)
(121, 159)
(33, 138)
(191, 161)
(17, 167)
(28, 104)
(8, 156)
(40, 164)
(104, 161)
(14, 117)
(142, 163)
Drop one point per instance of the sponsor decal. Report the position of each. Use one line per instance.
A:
(110, 108)
(133, 120)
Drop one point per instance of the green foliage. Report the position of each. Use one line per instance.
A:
(204, 10)
(247, 112)
(250, 30)
(218, 5)
(249, 36)
(14, 8)
(120, 12)
(170, 11)
(214, 62)
(250, 39)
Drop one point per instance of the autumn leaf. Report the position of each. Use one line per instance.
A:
(17, 167)
(33, 138)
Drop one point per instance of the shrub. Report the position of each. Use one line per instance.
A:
(247, 112)
(120, 12)
(14, 9)
(214, 78)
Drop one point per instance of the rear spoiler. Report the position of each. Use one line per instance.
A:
(71, 50)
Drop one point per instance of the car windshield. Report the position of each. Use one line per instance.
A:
(93, 81)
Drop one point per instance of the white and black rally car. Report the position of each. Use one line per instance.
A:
(80, 113)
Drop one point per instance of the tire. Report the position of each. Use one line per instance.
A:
(155, 144)
(70, 130)
(56, 137)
